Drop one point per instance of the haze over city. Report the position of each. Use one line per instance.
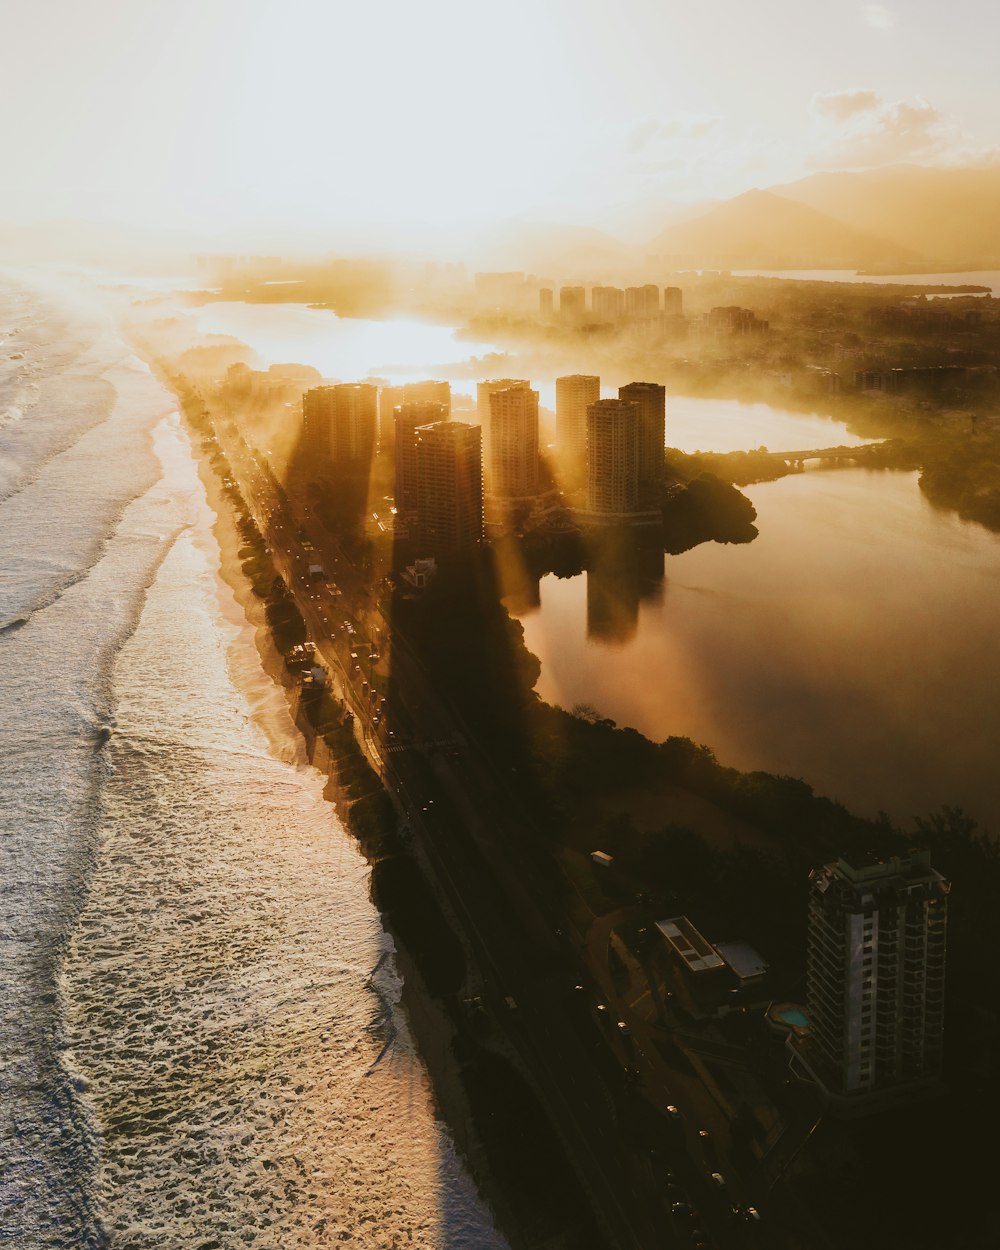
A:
(396, 124)
(499, 577)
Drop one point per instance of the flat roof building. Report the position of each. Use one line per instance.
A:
(449, 487)
(612, 457)
(875, 978)
(572, 302)
(651, 400)
(696, 952)
(574, 395)
(340, 422)
(511, 463)
(408, 418)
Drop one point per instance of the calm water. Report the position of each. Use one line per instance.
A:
(345, 348)
(200, 1037)
(983, 277)
(852, 644)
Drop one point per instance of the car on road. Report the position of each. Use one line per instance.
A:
(752, 1214)
(718, 1180)
(672, 1111)
(624, 1029)
(681, 1208)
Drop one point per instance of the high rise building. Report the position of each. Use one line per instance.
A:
(340, 422)
(673, 301)
(574, 395)
(408, 418)
(572, 302)
(607, 302)
(642, 301)
(483, 392)
(390, 397)
(511, 459)
(545, 302)
(875, 977)
(651, 400)
(612, 457)
(449, 468)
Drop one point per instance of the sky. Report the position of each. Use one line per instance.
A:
(231, 117)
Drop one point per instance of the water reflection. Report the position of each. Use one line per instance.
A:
(625, 570)
(852, 644)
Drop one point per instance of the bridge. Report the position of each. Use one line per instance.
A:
(825, 453)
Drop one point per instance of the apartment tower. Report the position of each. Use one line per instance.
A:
(390, 398)
(574, 395)
(651, 400)
(612, 457)
(407, 419)
(511, 460)
(449, 487)
(340, 422)
(483, 392)
(875, 977)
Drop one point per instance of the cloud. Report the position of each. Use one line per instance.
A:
(858, 129)
(879, 16)
(680, 129)
(840, 105)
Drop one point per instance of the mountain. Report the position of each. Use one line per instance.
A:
(951, 216)
(761, 229)
(547, 248)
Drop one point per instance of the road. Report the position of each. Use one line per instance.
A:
(472, 849)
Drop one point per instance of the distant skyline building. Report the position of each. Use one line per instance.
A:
(449, 486)
(572, 302)
(545, 302)
(340, 422)
(607, 302)
(673, 301)
(642, 301)
(875, 978)
(651, 400)
(612, 457)
(408, 418)
(574, 395)
(511, 460)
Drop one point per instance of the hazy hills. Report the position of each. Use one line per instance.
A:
(761, 228)
(902, 215)
(950, 216)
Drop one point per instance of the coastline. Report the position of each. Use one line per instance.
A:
(433, 1029)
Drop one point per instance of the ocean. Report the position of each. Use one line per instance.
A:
(201, 1043)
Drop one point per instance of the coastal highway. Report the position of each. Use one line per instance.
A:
(519, 958)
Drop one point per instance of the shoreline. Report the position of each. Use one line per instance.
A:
(432, 1028)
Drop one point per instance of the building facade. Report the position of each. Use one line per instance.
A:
(651, 400)
(449, 487)
(483, 411)
(340, 422)
(875, 978)
(642, 301)
(574, 395)
(607, 302)
(390, 398)
(511, 460)
(572, 303)
(612, 457)
(408, 418)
